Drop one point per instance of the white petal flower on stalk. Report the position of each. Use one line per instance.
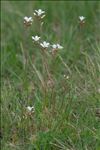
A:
(54, 46)
(35, 38)
(81, 18)
(57, 46)
(45, 44)
(28, 19)
(39, 12)
(30, 109)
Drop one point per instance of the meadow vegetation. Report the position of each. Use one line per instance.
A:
(50, 100)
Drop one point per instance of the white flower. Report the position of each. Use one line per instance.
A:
(28, 19)
(29, 108)
(54, 46)
(57, 46)
(39, 12)
(81, 18)
(35, 38)
(45, 44)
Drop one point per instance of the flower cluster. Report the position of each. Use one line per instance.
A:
(37, 39)
(41, 14)
(45, 45)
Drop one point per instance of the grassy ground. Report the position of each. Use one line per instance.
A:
(67, 111)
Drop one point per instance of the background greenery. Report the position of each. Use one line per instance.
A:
(70, 119)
